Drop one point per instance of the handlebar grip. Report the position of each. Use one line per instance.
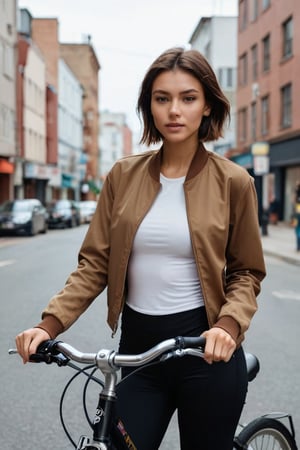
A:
(48, 347)
(191, 342)
(48, 353)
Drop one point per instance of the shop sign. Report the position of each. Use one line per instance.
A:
(261, 165)
(42, 172)
(261, 159)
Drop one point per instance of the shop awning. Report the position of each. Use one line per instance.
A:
(6, 166)
(245, 160)
(67, 180)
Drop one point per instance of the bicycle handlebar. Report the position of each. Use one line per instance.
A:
(59, 352)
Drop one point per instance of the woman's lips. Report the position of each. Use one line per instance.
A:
(174, 126)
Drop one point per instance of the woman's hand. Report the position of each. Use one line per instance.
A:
(28, 341)
(219, 345)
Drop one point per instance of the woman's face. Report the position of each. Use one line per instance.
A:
(178, 105)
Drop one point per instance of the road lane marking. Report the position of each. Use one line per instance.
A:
(7, 262)
(286, 294)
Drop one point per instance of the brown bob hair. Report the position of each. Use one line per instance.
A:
(194, 63)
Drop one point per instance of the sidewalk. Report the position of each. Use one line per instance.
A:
(281, 243)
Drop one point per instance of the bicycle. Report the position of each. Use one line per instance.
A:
(263, 433)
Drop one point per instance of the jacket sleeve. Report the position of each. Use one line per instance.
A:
(90, 277)
(245, 267)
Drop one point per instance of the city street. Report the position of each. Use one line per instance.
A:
(33, 269)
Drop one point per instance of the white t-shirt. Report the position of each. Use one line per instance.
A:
(162, 274)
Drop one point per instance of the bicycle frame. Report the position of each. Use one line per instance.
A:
(109, 432)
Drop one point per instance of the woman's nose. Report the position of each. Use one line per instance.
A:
(174, 108)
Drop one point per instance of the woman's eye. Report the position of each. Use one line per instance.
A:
(161, 99)
(189, 99)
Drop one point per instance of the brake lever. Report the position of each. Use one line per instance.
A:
(60, 359)
(176, 353)
(180, 352)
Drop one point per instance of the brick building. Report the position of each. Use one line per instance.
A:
(44, 32)
(267, 105)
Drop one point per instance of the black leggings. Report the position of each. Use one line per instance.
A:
(208, 398)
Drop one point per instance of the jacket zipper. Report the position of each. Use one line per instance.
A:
(116, 325)
(194, 251)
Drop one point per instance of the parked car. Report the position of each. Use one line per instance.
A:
(26, 216)
(87, 210)
(63, 214)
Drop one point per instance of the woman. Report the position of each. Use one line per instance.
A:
(175, 238)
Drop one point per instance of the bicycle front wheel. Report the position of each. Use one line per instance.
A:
(266, 434)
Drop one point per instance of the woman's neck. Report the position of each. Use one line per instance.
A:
(176, 160)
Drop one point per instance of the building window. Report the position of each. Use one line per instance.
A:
(265, 115)
(243, 70)
(253, 121)
(266, 53)
(243, 14)
(8, 60)
(254, 10)
(242, 124)
(7, 124)
(1, 56)
(286, 105)
(287, 38)
(254, 62)
(266, 4)
(226, 77)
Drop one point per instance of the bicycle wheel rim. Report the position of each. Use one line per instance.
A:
(266, 434)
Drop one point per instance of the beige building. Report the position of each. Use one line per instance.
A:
(216, 38)
(35, 107)
(8, 149)
(32, 172)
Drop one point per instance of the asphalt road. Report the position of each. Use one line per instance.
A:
(33, 269)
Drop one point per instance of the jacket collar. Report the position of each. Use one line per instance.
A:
(198, 162)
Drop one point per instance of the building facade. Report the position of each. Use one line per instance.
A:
(36, 168)
(70, 136)
(44, 33)
(83, 61)
(115, 140)
(216, 38)
(8, 148)
(268, 109)
(31, 108)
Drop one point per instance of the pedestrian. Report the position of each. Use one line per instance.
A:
(296, 215)
(297, 230)
(297, 193)
(176, 240)
(296, 218)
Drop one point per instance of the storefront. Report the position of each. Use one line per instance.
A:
(6, 179)
(285, 165)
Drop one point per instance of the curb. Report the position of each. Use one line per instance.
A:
(286, 258)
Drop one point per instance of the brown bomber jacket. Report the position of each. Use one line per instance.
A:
(222, 214)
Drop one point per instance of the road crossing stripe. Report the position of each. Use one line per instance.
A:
(6, 262)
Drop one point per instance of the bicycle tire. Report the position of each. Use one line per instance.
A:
(266, 434)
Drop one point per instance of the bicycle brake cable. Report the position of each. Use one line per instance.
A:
(80, 371)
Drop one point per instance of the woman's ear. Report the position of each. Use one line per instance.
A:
(207, 110)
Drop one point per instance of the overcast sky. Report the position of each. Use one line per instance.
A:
(127, 36)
